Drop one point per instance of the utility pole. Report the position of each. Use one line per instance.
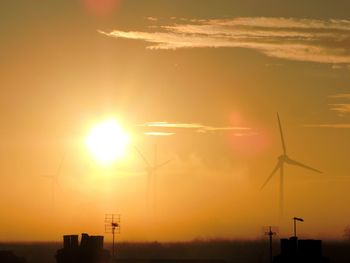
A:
(270, 233)
(112, 226)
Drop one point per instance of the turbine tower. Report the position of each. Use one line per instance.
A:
(281, 161)
(54, 180)
(151, 170)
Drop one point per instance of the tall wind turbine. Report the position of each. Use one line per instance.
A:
(151, 170)
(54, 179)
(281, 161)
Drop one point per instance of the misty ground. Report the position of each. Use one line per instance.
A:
(230, 251)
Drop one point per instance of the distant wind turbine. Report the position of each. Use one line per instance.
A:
(54, 180)
(282, 160)
(151, 170)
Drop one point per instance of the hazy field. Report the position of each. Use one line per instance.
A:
(231, 251)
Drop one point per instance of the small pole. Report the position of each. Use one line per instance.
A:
(113, 230)
(270, 234)
(112, 226)
(295, 219)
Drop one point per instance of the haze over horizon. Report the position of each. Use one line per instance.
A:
(202, 80)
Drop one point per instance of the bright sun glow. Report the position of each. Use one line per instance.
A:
(107, 142)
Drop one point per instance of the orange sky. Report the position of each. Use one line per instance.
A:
(212, 77)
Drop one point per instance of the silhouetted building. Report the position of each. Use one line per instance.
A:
(90, 250)
(167, 260)
(9, 257)
(303, 251)
(187, 261)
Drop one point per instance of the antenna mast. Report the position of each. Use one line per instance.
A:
(270, 233)
(112, 226)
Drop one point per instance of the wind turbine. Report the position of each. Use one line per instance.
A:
(151, 170)
(281, 161)
(54, 179)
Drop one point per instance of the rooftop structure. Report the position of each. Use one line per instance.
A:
(8, 257)
(303, 251)
(90, 250)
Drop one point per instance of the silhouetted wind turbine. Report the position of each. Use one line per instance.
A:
(282, 160)
(151, 170)
(54, 180)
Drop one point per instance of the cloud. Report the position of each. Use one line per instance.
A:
(312, 40)
(342, 108)
(340, 66)
(341, 96)
(159, 133)
(240, 134)
(150, 18)
(337, 126)
(169, 129)
(195, 126)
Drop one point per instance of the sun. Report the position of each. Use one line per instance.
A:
(107, 141)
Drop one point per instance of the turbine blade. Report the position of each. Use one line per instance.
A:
(281, 133)
(142, 157)
(293, 162)
(278, 165)
(161, 165)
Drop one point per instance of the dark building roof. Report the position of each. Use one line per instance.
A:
(8, 257)
(90, 250)
(303, 251)
(167, 260)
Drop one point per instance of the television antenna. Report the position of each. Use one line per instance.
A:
(112, 226)
(270, 233)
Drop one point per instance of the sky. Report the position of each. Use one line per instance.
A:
(201, 80)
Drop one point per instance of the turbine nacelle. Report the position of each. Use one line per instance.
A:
(282, 158)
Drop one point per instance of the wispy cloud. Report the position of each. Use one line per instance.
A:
(341, 66)
(195, 126)
(336, 125)
(341, 108)
(169, 128)
(151, 18)
(322, 41)
(159, 133)
(341, 96)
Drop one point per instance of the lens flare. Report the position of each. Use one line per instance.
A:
(101, 7)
